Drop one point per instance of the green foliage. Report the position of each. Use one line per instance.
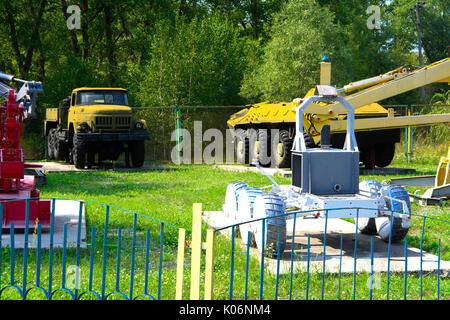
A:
(302, 33)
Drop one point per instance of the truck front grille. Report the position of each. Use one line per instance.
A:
(103, 122)
(113, 123)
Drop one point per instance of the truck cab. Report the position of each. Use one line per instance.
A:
(95, 121)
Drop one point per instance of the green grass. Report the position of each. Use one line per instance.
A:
(168, 196)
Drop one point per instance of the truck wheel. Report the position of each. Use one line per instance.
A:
(370, 188)
(282, 150)
(60, 148)
(137, 153)
(400, 226)
(384, 153)
(265, 206)
(78, 152)
(50, 145)
(241, 146)
(232, 197)
(245, 212)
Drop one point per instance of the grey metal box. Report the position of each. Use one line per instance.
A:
(325, 171)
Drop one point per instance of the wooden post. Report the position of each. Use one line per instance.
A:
(196, 254)
(209, 266)
(180, 264)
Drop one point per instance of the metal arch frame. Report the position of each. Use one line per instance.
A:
(350, 140)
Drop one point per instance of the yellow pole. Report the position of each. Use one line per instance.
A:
(180, 264)
(196, 254)
(209, 266)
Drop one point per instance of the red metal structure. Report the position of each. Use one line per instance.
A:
(14, 185)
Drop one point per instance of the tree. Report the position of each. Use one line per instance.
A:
(301, 34)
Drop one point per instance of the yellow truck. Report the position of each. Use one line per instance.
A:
(376, 128)
(95, 121)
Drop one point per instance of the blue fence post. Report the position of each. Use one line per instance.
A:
(247, 262)
(105, 242)
(278, 265)
(119, 248)
(340, 269)
(439, 268)
(406, 268)
(307, 265)
(230, 295)
(161, 252)
(371, 267)
(25, 246)
(133, 248)
(355, 253)
(64, 257)
(292, 257)
(38, 257)
(50, 250)
(91, 262)
(261, 279)
(12, 260)
(324, 253)
(77, 270)
(147, 260)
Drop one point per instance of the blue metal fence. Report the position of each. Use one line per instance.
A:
(129, 257)
(296, 280)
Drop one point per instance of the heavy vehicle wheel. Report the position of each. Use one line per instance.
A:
(78, 152)
(269, 205)
(245, 212)
(282, 150)
(241, 146)
(60, 148)
(372, 189)
(137, 153)
(264, 147)
(384, 153)
(232, 197)
(50, 145)
(400, 226)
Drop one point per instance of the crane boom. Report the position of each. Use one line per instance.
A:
(394, 83)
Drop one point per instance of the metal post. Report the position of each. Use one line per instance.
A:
(209, 264)
(196, 251)
(180, 264)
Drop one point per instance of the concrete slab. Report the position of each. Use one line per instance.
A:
(332, 248)
(287, 172)
(66, 167)
(66, 212)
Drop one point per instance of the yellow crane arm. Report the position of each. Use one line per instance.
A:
(394, 83)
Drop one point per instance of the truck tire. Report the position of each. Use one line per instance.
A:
(50, 145)
(137, 153)
(384, 154)
(241, 146)
(60, 148)
(392, 193)
(265, 206)
(78, 152)
(246, 201)
(282, 150)
(231, 199)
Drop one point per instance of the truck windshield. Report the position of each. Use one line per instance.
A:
(102, 97)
